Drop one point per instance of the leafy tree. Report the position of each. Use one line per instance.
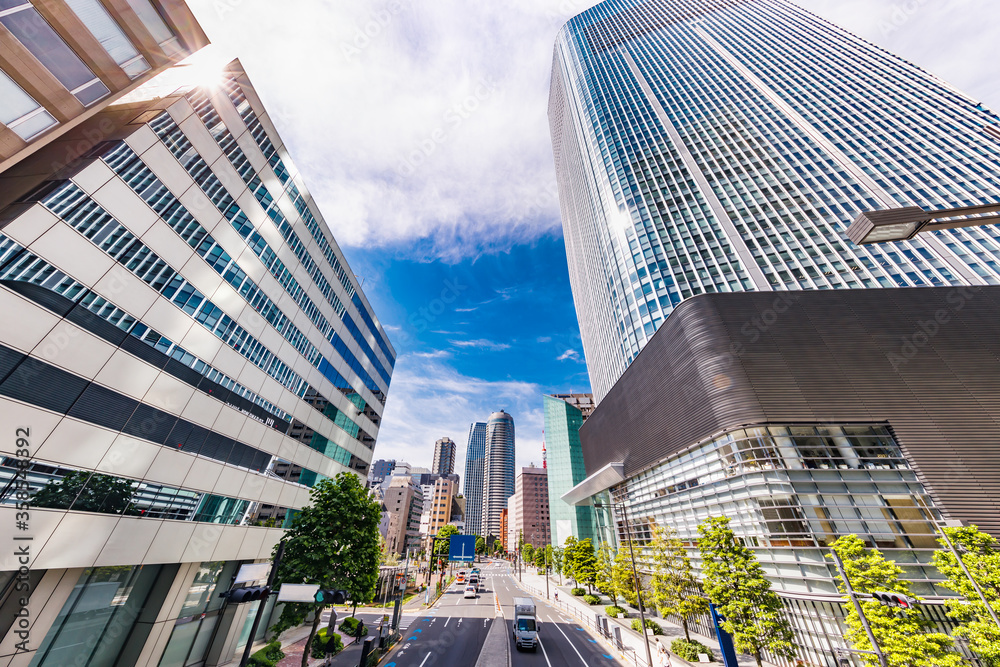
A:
(332, 542)
(675, 589)
(604, 579)
(548, 558)
(497, 547)
(444, 533)
(904, 637)
(623, 577)
(557, 561)
(981, 557)
(480, 545)
(585, 563)
(527, 552)
(539, 557)
(87, 492)
(735, 582)
(569, 553)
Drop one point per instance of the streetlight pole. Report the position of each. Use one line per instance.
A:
(857, 607)
(638, 593)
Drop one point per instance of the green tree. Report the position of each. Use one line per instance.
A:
(674, 587)
(332, 542)
(557, 561)
(735, 582)
(539, 557)
(87, 492)
(585, 563)
(497, 547)
(480, 545)
(981, 556)
(527, 552)
(622, 577)
(443, 535)
(904, 636)
(569, 554)
(604, 576)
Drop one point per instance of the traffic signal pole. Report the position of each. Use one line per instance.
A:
(263, 603)
(857, 607)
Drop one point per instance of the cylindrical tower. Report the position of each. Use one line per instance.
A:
(498, 478)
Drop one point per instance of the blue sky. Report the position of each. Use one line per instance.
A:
(421, 130)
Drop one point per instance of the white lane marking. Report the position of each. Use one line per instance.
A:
(425, 659)
(447, 622)
(544, 653)
(570, 645)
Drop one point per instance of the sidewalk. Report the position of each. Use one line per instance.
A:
(630, 638)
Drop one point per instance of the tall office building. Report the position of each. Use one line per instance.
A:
(444, 457)
(498, 470)
(564, 415)
(180, 329)
(528, 508)
(475, 453)
(722, 145)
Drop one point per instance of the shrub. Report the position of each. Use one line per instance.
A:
(613, 610)
(591, 599)
(651, 624)
(578, 591)
(690, 650)
(269, 656)
(319, 644)
(350, 626)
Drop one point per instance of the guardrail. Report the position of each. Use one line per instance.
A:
(590, 622)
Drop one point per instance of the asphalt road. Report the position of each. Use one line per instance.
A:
(562, 641)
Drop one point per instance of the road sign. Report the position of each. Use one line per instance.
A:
(297, 592)
(462, 548)
(254, 572)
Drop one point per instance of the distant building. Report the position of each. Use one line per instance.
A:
(474, 455)
(564, 415)
(404, 501)
(440, 504)
(528, 508)
(444, 456)
(380, 470)
(498, 470)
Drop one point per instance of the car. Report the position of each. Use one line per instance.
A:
(470, 591)
(461, 577)
(474, 582)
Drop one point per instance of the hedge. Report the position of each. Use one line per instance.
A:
(613, 610)
(269, 656)
(591, 599)
(690, 650)
(318, 649)
(578, 591)
(350, 626)
(651, 624)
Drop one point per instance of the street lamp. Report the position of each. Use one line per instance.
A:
(902, 224)
(635, 576)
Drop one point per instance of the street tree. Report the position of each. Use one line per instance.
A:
(623, 577)
(539, 558)
(674, 587)
(497, 547)
(735, 582)
(981, 556)
(480, 545)
(443, 543)
(569, 555)
(557, 561)
(527, 552)
(585, 563)
(332, 542)
(905, 637)
(604, 576)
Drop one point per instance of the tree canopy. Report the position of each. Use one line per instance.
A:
(735, 582)
(903, 636)
(332, 542)
(675, 589)
(585, 563)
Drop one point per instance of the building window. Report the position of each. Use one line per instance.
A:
(160, 31)
(93, 15)
(20, 112)
(38, 37)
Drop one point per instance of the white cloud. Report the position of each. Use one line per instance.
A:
(569, 354)
(481, 343)
(429, 400)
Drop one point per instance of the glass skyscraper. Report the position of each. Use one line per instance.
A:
(475, 453)
(564, 415)
(498, 470)
(725, 145)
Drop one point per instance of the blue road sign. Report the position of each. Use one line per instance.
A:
(462, 548)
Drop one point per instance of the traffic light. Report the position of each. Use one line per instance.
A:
(331, 596)
(898, 600)
(249, 594)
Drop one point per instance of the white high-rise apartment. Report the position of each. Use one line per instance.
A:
(498, 470)
(725, 145)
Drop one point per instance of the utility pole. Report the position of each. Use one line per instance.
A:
(857, 607)
(263, 603)
(545, 558)
(638, 592)
(961, 563)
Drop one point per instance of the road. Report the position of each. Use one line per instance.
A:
(452, 633)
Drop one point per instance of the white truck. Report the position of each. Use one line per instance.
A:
(525, 624)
